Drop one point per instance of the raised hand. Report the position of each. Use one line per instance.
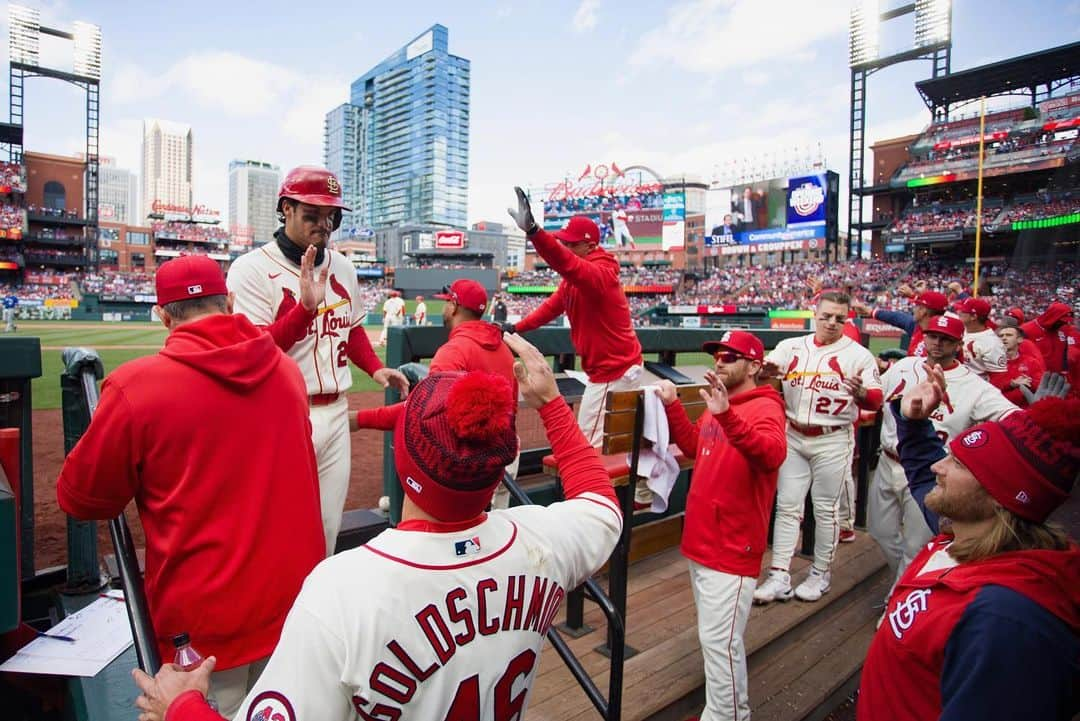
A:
(769, 370)
(534, 376)
(312, 288)
(523, 216)
(924, 398)
(1052, 385)
(716, 395)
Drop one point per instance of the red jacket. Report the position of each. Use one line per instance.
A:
(986, 639)
(211, 438)
(474, 345)
(1053, 344)
(1024, 364)
(592, 297)
(736, 459)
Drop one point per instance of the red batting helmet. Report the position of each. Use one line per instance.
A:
(312, 185)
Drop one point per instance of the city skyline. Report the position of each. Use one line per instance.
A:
(685, 88)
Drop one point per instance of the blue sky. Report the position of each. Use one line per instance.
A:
(687, 86)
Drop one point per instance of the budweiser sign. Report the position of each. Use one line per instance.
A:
(602, 179)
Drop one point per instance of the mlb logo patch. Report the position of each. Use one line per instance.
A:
(468, 547)
(414, 484)
(193, 289)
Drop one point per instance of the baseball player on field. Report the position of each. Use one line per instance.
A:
(826, 378)
(895, 519)
(984, 353)
(11, 305)
(315, 319)
(442, 617)
(393, 310)
(420, 314)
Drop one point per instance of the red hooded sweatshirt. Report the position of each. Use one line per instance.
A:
(592, 297)
(737, 456)
(211, 438)
(474, 345)
(989, 639)
(1053, 337)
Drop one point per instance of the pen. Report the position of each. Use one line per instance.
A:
(55, 636)
(111, 598)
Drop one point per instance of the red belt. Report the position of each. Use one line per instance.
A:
(323, 399)
(890, 454)
(814, 431)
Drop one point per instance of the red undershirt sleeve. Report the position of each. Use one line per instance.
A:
(361, 353)
(579, 463)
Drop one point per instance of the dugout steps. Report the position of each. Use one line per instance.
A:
(803, 658)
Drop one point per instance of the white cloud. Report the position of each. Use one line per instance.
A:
(717, 35)
(585, 17)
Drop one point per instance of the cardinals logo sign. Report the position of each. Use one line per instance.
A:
(271, 706)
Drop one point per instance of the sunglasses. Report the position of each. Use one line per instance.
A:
(726, 356)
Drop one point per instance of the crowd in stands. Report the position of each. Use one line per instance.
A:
(1044, 207)
(69, 214)
(49, 255)
(939, 218)
(59, 233)
(11, 216)
(595, 203)
(195, 232)
(12, 178)
(118, 283)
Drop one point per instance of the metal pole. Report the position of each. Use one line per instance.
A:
(127, 564)
(979, 193)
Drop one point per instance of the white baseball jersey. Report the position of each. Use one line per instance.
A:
(267, 285)
(971, 399)
(393, 311)
(420, 624)
(811, 378)
(984, 353)
(420, 314)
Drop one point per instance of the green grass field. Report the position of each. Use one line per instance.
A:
(148, 338)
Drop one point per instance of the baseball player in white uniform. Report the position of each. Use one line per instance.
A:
(895, 520)
(442, 617)
(826, 378)
(393, 309)
(984, 353)
(420, 314)
(315, 319)
(620, 229)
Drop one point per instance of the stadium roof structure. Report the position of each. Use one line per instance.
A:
(1019, 75)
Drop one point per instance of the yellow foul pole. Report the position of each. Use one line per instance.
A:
(979, 194)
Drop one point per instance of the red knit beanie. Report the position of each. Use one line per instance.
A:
(453, 441)
(1029, 460)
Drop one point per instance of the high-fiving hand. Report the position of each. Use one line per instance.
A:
(1052, 385)
(923, 399)
(312, 288)
(534, 376)
(523, 215)
(716, 395)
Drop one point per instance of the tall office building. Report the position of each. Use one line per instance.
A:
(253, 188)
(166, 164)
(403, 138)
(118, 192)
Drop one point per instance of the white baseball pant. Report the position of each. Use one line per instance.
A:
(723, 607)
(230, 687)
(333, 452)
(9, 320)
(822, 466)
(591, 415)
(894, 518)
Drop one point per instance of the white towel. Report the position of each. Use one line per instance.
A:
(657, 465)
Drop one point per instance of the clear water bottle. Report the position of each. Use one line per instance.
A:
(186, 656)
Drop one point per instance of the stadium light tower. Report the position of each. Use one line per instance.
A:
(24, 40)
(932, 41)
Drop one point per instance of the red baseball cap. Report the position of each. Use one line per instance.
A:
(946, 325)
(189, 276)
(467, 293)
(975, 306)
(742, 342)
(933, 300)
(580, 229)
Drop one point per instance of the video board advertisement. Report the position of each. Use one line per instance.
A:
(626, 203)
(768, 215)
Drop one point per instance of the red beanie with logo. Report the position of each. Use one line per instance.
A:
(1029, 460)
(453, 440)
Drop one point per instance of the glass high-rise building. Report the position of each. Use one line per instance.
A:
(253, 189)
(401, 143)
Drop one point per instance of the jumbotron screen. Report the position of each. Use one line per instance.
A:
(794, 213)
(626, 203)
